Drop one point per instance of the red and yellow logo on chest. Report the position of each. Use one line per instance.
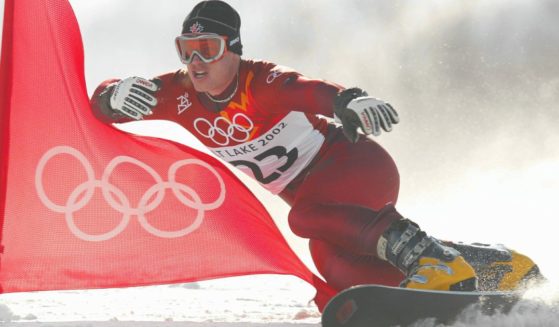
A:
(233, 125)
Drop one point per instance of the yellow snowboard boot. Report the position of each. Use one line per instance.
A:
(426, 261)
(499, 268)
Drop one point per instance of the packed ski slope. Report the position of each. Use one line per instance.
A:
(242, 300)
(278, 301)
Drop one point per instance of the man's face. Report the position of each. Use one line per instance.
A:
(213, 77)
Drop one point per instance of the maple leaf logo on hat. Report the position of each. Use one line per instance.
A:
(217, 17)
(196, 28)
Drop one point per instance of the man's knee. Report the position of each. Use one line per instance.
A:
(298, 220)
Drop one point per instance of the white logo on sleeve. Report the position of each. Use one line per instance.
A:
(184, 103)
(272, 76)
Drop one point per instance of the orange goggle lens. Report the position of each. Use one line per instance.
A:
(208, 47)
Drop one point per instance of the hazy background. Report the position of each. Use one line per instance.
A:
(476, 84)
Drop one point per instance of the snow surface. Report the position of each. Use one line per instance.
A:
(240, 301)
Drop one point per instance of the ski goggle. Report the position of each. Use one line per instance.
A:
(208, 47)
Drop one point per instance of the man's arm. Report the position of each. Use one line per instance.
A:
(290, 91)
(353, 108)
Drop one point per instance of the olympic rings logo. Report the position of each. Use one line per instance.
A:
(223, 133)
(122, 204)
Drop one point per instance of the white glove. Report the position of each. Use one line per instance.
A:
(355, 109)
(134, 97)
(374, 114)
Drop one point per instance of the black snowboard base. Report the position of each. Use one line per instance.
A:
(375, 305)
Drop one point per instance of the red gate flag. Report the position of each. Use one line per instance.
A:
(85, 205)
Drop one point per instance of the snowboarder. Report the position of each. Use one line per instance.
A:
(341, 185)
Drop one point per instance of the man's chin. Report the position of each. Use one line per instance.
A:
(199, 87)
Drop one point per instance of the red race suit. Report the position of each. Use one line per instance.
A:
(273, 131)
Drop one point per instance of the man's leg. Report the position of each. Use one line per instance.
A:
(345, 200)
(343, 269)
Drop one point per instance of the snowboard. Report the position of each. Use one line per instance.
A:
(375, 305)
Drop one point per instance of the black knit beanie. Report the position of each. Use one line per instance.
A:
(215, 16)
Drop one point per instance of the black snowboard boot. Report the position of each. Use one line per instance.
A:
(426, 261)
